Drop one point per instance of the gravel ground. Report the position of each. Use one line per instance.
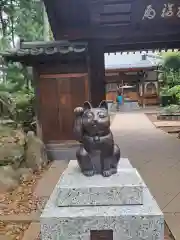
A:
(12, 231)
(19, 201)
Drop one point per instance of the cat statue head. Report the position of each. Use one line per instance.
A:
(95, 121)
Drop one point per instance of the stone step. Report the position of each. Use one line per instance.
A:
(123, 188)
(127, 222)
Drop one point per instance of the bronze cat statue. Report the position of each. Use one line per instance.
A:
(92, 130)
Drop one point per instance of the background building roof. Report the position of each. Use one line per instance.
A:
(130, 60)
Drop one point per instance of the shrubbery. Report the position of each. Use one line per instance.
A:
(170, 78)
(25, 114)
(19, 108)
(171, 109)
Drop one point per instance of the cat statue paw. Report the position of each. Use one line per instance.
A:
(78, 111)
(92, 130)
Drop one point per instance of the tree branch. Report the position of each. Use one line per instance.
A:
(2, 23)
(12, 24)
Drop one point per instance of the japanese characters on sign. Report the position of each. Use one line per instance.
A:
(168, 10)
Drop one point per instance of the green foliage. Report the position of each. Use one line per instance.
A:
(21, 18)
(4, 43)
(171, 109)
(172, 61)
(24, 108)
(164, 91)
(18, 107)
(170, 76)
(15, 78)
(7, 105)
(51, 37)
(29, 20)
(175, 92)
(16, 92)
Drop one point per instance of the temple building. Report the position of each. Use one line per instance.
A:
(134, 75)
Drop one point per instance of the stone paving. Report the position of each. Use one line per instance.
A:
(167, 124)
(156, 155)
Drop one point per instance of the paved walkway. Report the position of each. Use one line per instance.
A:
(134, 107)
(157, 157)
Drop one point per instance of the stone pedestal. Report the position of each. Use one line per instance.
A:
(119, 208)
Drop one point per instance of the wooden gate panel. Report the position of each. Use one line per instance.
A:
(58, 96)
(49, 109)
(72, 93)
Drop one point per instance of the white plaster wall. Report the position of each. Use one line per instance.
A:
(151, 75)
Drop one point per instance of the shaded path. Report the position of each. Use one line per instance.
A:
(157, 157)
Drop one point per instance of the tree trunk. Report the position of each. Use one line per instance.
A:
(12, 25)
(2, 23)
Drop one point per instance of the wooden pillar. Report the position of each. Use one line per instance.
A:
(158, 87)
(96, 67)
(143, 86)
(35, 83)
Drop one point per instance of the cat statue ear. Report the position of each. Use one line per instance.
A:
(87, 105)
(103, 104)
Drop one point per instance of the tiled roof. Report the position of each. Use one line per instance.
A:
(47, 48)
(129, 60)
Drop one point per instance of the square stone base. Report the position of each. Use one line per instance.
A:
(136, 222)
(123, 188)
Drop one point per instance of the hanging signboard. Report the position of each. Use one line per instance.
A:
(116, 22)
(169, 10)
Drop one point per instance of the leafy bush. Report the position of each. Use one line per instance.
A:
(175, 91)
(25, 113)
(164, 91)
(171, 109)
(170, 75)
(7, 105)
(172, 60)
(19, 107)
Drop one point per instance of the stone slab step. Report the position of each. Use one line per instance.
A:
(123, 188)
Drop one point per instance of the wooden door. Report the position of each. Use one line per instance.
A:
(72, 93)
(48, 109)
(58, 98)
